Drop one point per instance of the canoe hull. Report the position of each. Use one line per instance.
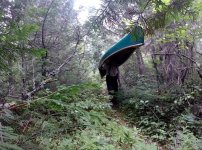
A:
(122, 50)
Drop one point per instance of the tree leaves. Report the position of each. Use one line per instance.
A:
(77, 117)
(13, 42)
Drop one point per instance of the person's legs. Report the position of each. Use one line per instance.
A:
(113, 90)
(114, 84)
(109, 83)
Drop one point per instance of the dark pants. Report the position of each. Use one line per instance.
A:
(112, 83)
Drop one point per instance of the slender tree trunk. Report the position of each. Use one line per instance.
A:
(159, 76)
(191, 55)
(33, 74)
(140, 62)
(43, 35)
(10, 80)
(23, 66)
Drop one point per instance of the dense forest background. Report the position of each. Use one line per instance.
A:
(51, 93)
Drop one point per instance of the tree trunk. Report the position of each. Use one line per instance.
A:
(23, 65)
(33, 74)
(44, 72)
(140, 62)
(159, 76)
(10, 80)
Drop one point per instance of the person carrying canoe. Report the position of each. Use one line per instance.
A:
(112, 78)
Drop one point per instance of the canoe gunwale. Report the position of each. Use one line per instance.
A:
(131, 46)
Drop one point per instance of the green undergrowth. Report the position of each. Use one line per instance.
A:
(74, 118)
(169, 117)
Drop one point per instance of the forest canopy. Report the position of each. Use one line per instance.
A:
(51, 92)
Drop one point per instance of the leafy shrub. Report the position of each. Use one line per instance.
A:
(75, 117)
(160, 113)
(185, 140)
(8, 138)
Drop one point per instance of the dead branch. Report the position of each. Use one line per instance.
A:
(51, 75)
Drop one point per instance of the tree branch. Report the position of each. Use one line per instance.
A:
(52, 74)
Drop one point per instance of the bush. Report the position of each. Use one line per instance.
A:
(160, 113)
(185, 140)
(75, 117)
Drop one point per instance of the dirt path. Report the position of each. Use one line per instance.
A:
(120, 118)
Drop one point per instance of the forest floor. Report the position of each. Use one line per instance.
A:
(77, 117)
(120, 117)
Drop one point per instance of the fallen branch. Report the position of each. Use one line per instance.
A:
(13, 107)
(51, 75)
(38, 88)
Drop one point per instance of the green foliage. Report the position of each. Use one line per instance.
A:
(159, 113)
(185, 140)
(13, 43)
(75, 117)
(8, 138)
(167, 12)
(39, 52)
(190, 122)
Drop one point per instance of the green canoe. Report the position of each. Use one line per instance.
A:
(122, 50)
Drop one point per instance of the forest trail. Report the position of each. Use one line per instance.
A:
(119, 116)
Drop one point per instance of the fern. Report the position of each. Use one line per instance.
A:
(7, 137)
(75, 117)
